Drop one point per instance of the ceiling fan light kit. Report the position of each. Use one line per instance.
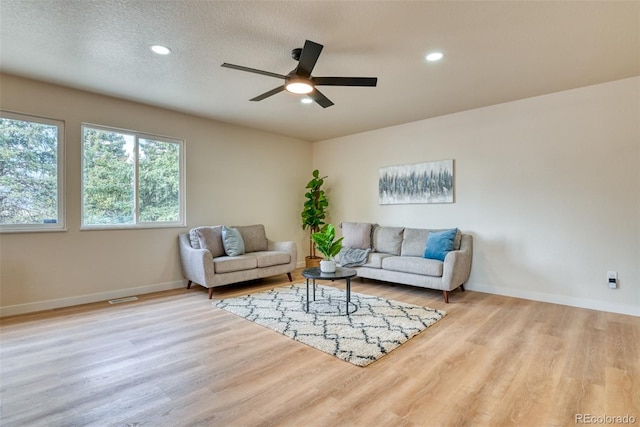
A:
(300, 80)
(298, 86)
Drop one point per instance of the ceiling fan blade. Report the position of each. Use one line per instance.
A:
(322, 100)
(308, 58)
(253, 70)
(268, 94)
(345, 81)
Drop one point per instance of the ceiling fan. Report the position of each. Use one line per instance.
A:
(300, 79)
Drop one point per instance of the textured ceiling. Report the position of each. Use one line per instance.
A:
(494, 52)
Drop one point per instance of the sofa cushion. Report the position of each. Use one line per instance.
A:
(228, 264)
(414, 241)
(209, 238)
(232, 241)
(269, 258)
(356, 235)
(254, 237)
(415, 265)
(374, 260)
(440, 243)
(388, 239)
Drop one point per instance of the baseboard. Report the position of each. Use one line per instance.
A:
(629, 309)
(31, 307)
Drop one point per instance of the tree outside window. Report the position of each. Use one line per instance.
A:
(130, 179)
(31, 175)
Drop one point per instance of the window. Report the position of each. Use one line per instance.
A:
(31, 173)
(131, 180)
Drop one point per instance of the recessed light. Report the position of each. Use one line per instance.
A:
(306, 100)
(434, 56)
(160, 50)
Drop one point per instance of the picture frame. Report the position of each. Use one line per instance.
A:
(428, 182)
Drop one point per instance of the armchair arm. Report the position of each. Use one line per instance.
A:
(197, 264)
(288, 246)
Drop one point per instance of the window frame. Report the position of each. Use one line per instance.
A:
(60, 224)
(182, 220)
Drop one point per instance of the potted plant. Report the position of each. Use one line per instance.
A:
(313, 214)
(326, 242)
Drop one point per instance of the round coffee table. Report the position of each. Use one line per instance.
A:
(340, 273)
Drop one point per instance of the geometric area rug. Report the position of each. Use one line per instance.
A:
(377, 326)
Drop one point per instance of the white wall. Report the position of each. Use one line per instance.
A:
(235, 176)
(549, 187)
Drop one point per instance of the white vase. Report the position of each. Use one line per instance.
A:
(327, 266)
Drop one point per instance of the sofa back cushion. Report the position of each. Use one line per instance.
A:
(388, 239)
(209, 238)
(254, 237)
(356, 235)
(414, 241)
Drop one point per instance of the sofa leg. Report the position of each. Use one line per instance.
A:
(210, 293)
(289, 276)
(189, 285)
(446, 296)
(462, 287)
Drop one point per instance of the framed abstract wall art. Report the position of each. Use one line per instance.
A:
(430, 182)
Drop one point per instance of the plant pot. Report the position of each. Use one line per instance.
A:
(311, 262)
(328, 266)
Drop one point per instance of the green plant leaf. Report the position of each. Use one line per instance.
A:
(325, 241)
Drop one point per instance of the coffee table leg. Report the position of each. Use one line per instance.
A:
(348, 293)
(307, 294)
(314, 289)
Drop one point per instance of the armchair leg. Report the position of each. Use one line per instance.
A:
(189, 285)
(446, 296)
(462, 287)
(289, 276)
(210, 292)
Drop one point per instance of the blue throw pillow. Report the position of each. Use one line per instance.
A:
(232, 241)
(440, 243)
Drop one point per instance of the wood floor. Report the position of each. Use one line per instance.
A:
(172, 359)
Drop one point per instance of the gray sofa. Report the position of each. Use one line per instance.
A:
(397, 254)
(206, 263)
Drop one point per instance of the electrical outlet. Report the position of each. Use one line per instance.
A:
(612, 279)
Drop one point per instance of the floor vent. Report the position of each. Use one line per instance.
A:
(125, 299)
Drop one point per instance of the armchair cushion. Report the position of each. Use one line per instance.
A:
(269, 258)
(226, 264)
(209, 238)
(254, 237)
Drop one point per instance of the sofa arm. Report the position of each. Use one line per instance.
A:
(197, 264)
(288, 246)
(457, 264)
